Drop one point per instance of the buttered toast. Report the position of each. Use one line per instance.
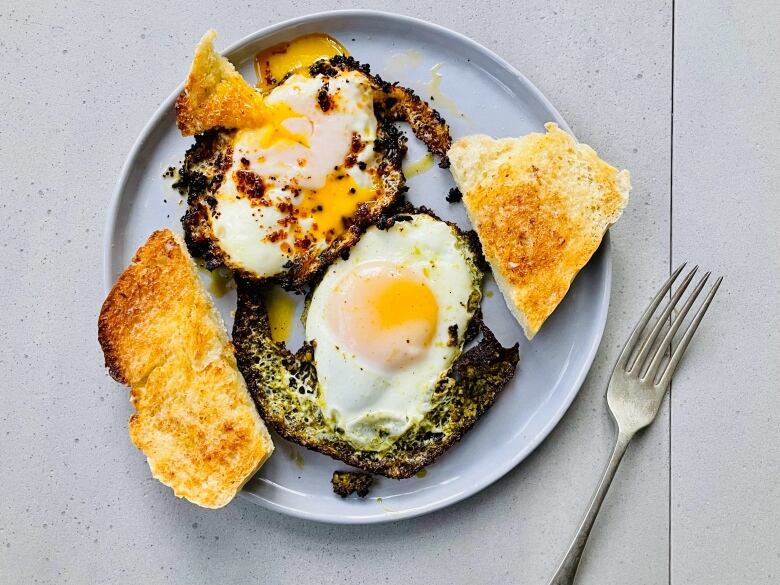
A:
(162, 336)
(540, 205)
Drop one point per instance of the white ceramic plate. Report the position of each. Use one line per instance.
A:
(492, 98)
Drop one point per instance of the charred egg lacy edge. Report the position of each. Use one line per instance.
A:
(286, 388)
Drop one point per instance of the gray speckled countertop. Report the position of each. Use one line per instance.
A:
(696, 499)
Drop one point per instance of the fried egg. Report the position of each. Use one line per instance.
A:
(387, 323)
(293, 184)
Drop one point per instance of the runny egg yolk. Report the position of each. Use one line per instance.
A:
(337, 199)
(384, 313)
(281, 123)
(273, 63)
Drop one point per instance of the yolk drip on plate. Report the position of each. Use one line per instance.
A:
(419, 166)
(273, 63)
(433, 88)
(281, 310)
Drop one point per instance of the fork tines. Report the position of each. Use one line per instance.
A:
(643, 355)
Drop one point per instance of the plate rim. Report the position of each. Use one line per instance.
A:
(604, 250)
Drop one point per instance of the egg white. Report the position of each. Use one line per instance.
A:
(371, 405)
(240, 227)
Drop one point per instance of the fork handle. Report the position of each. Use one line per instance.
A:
(568, 567)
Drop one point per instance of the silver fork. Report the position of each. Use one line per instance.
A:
(636, 389)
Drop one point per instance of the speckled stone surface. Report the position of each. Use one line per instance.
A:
(77, 503)
(726, 413)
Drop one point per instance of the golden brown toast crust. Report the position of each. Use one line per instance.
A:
(215, 94)
(195, 420)
(540, 205)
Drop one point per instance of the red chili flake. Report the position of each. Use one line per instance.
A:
(357, 143)
(274, 237)
(304, 243)
(249, 184)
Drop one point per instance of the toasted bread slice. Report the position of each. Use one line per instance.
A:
(195, 420)
(540, 205)
(215, 94)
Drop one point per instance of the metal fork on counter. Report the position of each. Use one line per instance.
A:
(637, 387)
